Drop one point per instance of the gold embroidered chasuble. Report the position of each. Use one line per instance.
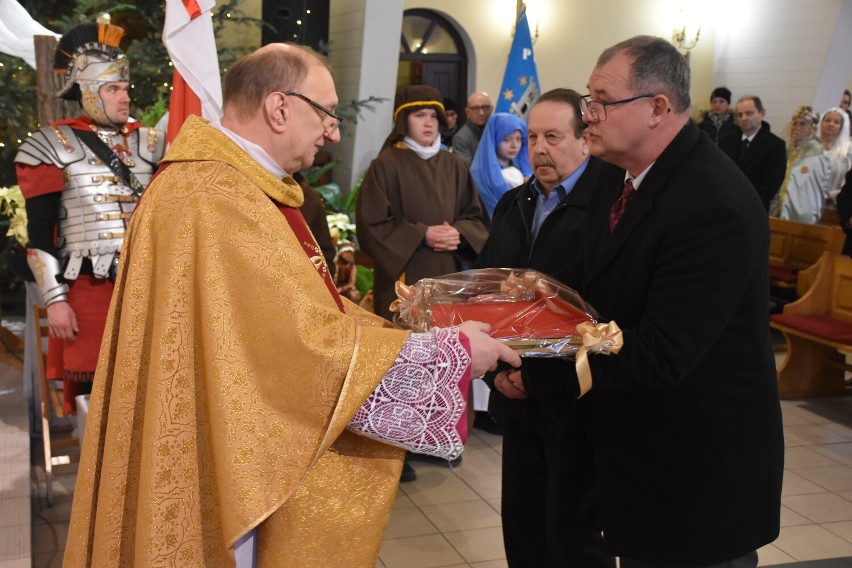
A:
(226, 378)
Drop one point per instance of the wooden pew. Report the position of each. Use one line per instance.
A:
(830, 216)
(795, 246)
(818, 331)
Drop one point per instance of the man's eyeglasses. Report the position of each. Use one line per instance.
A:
(591, 108)
(337, 118)
(481, 108)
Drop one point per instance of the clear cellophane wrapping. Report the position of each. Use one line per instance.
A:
(531, 312)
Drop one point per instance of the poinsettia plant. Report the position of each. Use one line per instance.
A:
(12, 206)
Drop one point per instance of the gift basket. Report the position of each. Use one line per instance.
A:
(533, 313)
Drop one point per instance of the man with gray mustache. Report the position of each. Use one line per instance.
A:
(549, 503)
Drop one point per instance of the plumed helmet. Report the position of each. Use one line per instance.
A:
(410, 99)
(86, 57)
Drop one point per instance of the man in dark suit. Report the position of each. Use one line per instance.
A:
(550, 512)
(761, 155)
(844, 212)
(685, 420)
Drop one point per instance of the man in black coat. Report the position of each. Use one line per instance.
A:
(761, 155)
(550, 512)
(844, 212)
(685, 420)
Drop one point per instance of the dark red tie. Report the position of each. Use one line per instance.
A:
(619, 206)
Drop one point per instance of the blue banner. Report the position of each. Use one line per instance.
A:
(520, 83)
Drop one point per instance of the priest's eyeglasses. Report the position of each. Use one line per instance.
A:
(337, 118)
(596, 110)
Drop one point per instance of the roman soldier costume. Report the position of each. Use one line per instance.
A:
(82, 178)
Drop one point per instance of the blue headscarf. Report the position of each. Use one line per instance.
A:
(485, 167)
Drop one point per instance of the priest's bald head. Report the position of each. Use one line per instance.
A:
(282, 98)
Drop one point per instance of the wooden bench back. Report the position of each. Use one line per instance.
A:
(796, 246)
(830, 290)
(830, 217)
(841, 289)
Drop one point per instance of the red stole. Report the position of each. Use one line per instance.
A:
(312, 250)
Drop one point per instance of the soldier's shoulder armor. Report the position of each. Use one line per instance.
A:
(151, 144)
(54, 145)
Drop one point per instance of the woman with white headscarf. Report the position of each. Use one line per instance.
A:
(834, 135)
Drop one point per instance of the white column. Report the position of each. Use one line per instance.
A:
(364, 39)
(837, 67)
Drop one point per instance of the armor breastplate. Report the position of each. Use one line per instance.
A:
(96, 203)
(95, 207)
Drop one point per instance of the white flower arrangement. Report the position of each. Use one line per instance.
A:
(340, 226)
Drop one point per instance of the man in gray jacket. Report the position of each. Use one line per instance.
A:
(465, 141)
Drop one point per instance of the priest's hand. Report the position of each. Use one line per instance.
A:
(62, 321)
(485, 351)
(443, 238)
(510, 385)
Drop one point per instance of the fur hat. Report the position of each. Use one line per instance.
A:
(410, 99)
(721, 92)
(88, 56)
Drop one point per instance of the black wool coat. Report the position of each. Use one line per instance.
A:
(764, 163)
(685, 421)
(510, 246)
(549, 498)
(844, 212)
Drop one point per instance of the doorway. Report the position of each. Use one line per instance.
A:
(431, 52)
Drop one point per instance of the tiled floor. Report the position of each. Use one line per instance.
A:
(450, 517)
(15, 535)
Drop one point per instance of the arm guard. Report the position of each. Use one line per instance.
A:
(46, 270)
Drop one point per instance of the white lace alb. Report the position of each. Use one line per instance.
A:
(418, 403)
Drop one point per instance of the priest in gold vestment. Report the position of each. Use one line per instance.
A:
(242, 412)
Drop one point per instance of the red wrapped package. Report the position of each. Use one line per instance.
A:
(532, 312)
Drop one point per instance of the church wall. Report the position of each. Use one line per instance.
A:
(789, 52)
(780, 50)
(571, 36)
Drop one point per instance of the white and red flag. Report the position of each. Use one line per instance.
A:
(196, 86)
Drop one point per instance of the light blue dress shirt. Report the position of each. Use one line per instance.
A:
(544, 205)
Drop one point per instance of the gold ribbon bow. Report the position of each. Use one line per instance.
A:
(404, 294)
(603, 339)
